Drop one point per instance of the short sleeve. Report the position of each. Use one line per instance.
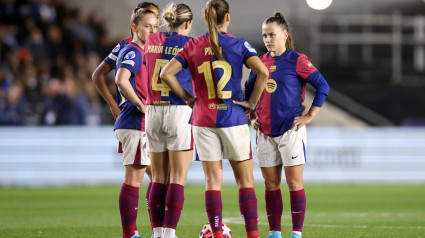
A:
(183, 55)
(248, 51)
(130, 59)
(304, 66)
(111, 59)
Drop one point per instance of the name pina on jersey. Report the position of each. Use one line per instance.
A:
(208, 51)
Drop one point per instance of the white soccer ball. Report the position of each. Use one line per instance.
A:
(206, 231)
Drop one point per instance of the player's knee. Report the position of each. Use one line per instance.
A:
(294, 185)
(245, 182)
(271, 184)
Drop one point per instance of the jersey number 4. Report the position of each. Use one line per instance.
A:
(161, 86)
(205, 69)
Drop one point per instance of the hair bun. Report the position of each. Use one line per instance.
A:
(136, 9)
(279, 14)
(169, 16)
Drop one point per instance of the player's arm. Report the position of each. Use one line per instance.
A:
(309, 73)
(123, 82)
(168, 74)
(257, 66)
(98, 78)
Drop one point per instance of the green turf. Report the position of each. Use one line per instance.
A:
(347, 211)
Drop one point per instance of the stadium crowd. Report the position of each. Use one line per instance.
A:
(48, 51)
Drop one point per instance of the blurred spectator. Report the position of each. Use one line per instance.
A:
(64, 105)
(47, 54)
(12, 106)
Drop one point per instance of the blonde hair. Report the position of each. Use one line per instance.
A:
(176, 14)
(215, 12)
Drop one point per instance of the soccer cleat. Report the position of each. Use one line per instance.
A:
(295, 235)
(274, 234)
(135, 236)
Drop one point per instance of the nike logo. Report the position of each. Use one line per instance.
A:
(294, 157)
(296, 212)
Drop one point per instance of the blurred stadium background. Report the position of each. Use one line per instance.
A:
(367, 143)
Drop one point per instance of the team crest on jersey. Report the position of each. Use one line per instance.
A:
(271, 86)
(130, 55)
(309, 64)
(249, 47)
(272, 68)
(116, 49)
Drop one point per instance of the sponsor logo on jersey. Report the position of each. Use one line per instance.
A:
(161, 103)
(271, 85)
(116, 49)
(272, 68)
(130, 55)
(219, 106)
(249, 47)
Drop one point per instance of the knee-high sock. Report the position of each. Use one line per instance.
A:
(298, 202)
(274, 208)
(173, 205)
(148, 191)
(214, 207)
(156, 204)
(128, 205)
(248, 208)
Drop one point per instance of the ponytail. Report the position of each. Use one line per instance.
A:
(214, 13)
(280, 21)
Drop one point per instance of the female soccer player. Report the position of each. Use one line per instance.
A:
(109, 63)
(129, 125)
(220, 127)
(167, 128)
(106, 66)
(281, 136)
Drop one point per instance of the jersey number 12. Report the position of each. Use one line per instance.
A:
(205, 69)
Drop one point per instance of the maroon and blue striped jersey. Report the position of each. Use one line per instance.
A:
(216, 83)
(160, 48)
(130, 57)
(282, 99)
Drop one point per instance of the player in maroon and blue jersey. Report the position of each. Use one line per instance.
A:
(129, 127)
(220, 128)
(109, 64)
(106, 66)
(168, 131)
(280, 124)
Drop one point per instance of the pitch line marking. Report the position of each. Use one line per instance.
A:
(239, 220)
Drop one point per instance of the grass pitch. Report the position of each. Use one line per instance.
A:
(347, 211)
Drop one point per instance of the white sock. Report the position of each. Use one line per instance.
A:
(297, 232)
(157, 232)
(169, 232)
